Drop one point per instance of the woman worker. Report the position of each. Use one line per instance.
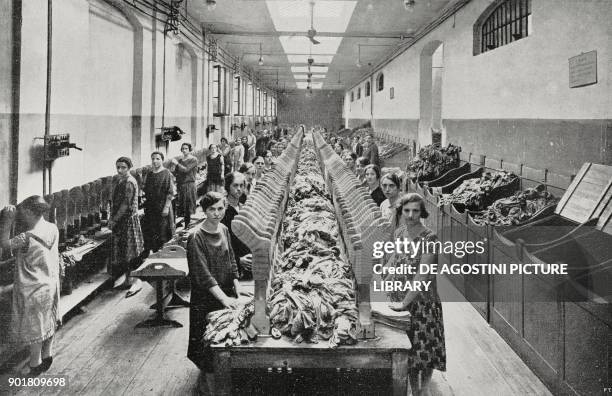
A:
(158, 220)
(126, 238)
(234, 187)
(372, 178)
(426, 331)
(390, 185)
(215, 166)
(214, 279)
(185, 170)
(35, 305)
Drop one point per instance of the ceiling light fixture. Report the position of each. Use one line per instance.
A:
(211, 5)
(409, 5)
(260, 62)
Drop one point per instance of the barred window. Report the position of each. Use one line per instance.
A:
(367, 89)
(380, 82)
(358, 93)
(352, 96)
(503, 22)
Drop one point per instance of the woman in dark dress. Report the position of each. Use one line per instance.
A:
(158, 220)
(126, 238)
(226, 151)
(235, 184)
(426, 331)
(215, 166)
(214, 279)
(372, 178)
(185, 170)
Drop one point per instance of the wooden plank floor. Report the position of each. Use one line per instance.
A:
(102, 353)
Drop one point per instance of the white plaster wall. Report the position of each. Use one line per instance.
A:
(524, 79)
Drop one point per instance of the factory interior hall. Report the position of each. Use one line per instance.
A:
(300, 197)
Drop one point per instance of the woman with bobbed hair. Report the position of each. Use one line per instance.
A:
(158, 220)
(185, 171)
(35, 303)
(426, 330)
(372, 178)
(215, 167)
(127, 242)
(390, 184)
(214, 280)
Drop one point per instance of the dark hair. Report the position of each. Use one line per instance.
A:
(257, 157)
(353, 155)
(364, 161)
(394, 178)
(209, 199)
(245, 167)
(339, 144)
(158, 153)
(408, 198)
(126, 161)
(210, 146)
(229, 179)
(222, 139)
(373, 167)
(188, 146)
(35, 204)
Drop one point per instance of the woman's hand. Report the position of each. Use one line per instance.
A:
(398, 306)
(230, 302)
(8, 213)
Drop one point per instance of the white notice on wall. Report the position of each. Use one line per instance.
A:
(583, 69)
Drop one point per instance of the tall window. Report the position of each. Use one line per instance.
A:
(249, 99)
(219, 90)
(367, 89)
(237, 97)
(503, 22)
(265, 104)
(358, 93)
(258, 102)
(352, 96)
(380, 82)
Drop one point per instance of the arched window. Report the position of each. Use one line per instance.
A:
(367, 89)
(358, 93)
(352, 96)
(503, 22)
(380, 82)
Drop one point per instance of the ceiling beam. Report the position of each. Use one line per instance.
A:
(390, 35)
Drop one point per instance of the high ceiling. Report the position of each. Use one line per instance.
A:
(353, 34)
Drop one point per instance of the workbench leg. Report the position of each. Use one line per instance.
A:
(223, 373)
(399, 374)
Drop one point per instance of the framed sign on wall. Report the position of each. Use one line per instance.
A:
(583, 69)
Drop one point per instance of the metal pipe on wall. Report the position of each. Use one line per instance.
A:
(47, 180)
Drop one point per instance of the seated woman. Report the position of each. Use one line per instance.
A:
(36, 286)
(372, 177)
(214, 279)
(390, 185)
(338, 148)
(426, 331)
(360, 165)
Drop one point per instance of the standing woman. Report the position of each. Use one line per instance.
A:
(259, 163)
(158, 220)
(372, 178)
(268, 161)
(35, 305)
(390, 185)
(216, 169)
(248, 169)
(214, 279)
(185, 170)
(238, 155)
(226, 152)
(426, 331)
(360, 165)
(126, 238)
